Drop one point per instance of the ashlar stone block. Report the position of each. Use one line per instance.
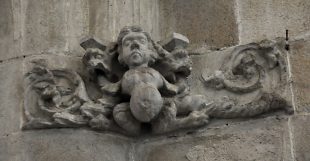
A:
(53, 26)
(9, 29)
(64, 144)
(268, 19)
(205, 23)
(300, 136)
(263, 140)
(300, 64)
(11, 97)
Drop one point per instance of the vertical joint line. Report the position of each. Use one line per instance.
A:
(238, 21)
(291, 139)
(287, 46)
(290, 78)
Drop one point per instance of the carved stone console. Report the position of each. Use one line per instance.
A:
(143, 86)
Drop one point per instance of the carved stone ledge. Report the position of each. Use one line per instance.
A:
(143, 85)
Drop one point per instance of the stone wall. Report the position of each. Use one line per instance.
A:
(52, 29)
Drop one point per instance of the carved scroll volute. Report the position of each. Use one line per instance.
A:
(259, 68)
(249, 68)
(53, 97)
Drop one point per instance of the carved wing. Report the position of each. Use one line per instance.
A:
(175, 64)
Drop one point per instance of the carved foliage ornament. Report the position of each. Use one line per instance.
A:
(143, 82)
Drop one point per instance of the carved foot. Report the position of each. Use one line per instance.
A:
(168, 120)
(91, 109)
(123, 117)
(195, 118)
(191, 103)
(69, 120)
(100, 122)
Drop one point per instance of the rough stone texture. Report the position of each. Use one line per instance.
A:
(203, 65)
(53, 26)
(9, 31)
(300, 64)
(300, 136)
(205, 23)
(108, 17)
(77, 26)
(56, 61)
(207, 63)
(268, 19)
(49, 145)
(264, 139)
(11, 97)
(63, 144)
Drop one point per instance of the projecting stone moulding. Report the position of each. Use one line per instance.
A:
(137, 85)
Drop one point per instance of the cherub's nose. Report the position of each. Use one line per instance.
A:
(135, 45)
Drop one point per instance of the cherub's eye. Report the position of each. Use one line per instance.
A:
(98, 56)
(127, 43)
(143, 41)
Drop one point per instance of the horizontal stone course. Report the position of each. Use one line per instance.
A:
(63, 144)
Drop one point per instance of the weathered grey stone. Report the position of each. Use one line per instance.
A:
(108, 17)
(263, 140)
(57, 144)
(300, 64)
(45, 26)
(54, 61)
(176, 40)
(205, 23)
(154, 81)
(77, 22)
(91, 42)
(268, 19)
(11, 97)
(58, 97)
(9, 29)
(235, 73)
(64, 144)
(300, 136)
(54, 26)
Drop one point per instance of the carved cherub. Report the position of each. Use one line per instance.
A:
(151, 97)
(144, 84)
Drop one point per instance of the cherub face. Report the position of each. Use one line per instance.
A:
(135, 49)
(46, 89)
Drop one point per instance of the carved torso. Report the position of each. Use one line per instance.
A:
(139, 76)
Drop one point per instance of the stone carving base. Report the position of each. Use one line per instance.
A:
(143, 84)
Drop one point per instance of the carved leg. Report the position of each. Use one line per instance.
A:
(168, 120)
(101, 122)
(123, 117)
(190, 103)
(67, 119)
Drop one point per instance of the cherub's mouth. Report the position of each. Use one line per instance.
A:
(135, 53)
